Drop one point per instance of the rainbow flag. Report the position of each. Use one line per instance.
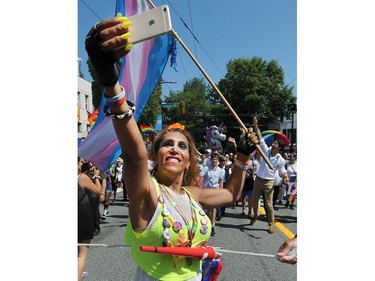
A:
(292, 190)
(93, 117)
(141, 71)
(78, 114)
(147, 129)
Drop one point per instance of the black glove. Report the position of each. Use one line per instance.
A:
(107, 67)
(245, 145)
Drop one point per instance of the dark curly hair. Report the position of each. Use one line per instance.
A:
(191, 176)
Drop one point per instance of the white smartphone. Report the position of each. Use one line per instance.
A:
(149, 24)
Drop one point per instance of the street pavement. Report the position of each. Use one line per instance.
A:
(233, 233)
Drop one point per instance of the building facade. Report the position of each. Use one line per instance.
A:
(84, 107)
(289, 128)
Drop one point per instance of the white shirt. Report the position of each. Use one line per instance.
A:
(277, 161)
(119, 173)
(212, 176)
(292, 171)
(278, 180)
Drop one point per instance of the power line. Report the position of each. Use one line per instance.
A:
(91, 10)
(192, 28)
(291, 81)
(183, 67)
(196, 39)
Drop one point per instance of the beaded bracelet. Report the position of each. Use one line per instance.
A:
(119, 115)
(239, 165)
(116, 100)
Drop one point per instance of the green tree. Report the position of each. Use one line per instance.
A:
(195, 95)
(153, 108)
(256, 87)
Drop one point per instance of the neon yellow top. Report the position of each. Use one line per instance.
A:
(162, 266)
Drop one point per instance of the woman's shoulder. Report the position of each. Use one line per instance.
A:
(195, 191)
(82, 180)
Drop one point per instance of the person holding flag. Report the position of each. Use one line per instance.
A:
(266, 177)
(162, 212)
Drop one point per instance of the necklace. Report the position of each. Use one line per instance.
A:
(168, 220)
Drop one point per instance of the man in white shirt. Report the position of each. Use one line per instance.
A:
(265, 177)
(213, 177)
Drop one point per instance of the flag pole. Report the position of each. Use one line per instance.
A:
(217, 91)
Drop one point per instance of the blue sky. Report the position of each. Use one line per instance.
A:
(245, 28)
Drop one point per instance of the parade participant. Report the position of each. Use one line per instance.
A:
(213, 177)
(266, 177)
(291, 168)
(276, 189)
(86, 213)
(118, 178)
(247, 191)
(162, 212)
(226, 166)
(95, 173)
(106, 189)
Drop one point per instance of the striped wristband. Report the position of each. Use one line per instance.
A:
(116, 100)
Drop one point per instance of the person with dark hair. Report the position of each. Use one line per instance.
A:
(165, 209)
(265, 177)
(118, 178)
(107, 188)
(291, 168)
(213, 177)
(247, 192)
(95, 200)
(224, 164)
(276, 189)
(86, 228)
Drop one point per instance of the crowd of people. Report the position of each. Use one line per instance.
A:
(174, 200)
(261, 182)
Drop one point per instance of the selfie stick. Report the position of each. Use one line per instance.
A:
(197, 253)
(218, 92)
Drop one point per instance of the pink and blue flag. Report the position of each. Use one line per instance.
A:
(141, 71)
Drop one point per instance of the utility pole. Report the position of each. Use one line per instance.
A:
(292, 108)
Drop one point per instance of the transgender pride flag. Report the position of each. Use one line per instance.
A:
(142, 69)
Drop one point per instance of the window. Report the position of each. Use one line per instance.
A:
(87, 102)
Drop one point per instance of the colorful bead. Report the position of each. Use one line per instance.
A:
(195, 204)
(166, 212)
(166, 223)
(204, 229)
(167, 234)
(177, 226)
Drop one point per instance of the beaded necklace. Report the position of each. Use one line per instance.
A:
(168, 220)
